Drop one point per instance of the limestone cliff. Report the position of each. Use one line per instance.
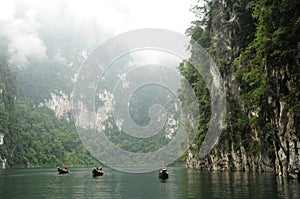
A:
(264, 137)
(60, 103)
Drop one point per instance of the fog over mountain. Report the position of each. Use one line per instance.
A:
(40, 30)
(47, 41)
(43, 44)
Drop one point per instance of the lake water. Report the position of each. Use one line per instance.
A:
(183, 183)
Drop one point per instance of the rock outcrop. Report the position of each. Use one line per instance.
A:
(248, 147)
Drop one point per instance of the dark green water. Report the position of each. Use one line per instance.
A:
(183, 183)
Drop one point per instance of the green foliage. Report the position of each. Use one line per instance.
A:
(203, 101)
(264, 59)
(8, 85)
(35, 136)
(271, 66)
(270, 62)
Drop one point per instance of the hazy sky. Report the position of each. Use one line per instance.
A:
(26, 23)
(118, 15)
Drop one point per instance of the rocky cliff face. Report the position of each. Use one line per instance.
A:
(60, 103)
(286, 141)
(245, 146)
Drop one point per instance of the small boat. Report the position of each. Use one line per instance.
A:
(97, 172)
(163, 174)
(63, 170)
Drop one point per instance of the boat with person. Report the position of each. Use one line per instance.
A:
(163, 173)
(64, 170)
(97, 172)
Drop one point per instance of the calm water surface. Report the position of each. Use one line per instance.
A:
(183, 183)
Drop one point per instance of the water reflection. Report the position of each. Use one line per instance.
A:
(182, 183)
(288, 188)
(207, 184)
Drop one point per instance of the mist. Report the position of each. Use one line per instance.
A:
(63, 30)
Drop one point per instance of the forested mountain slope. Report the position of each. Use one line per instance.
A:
(34, 136)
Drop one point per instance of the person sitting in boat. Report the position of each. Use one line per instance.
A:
(98, 168)
(163, 168)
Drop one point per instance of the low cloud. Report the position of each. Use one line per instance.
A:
(60, 29)
(24, 42)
